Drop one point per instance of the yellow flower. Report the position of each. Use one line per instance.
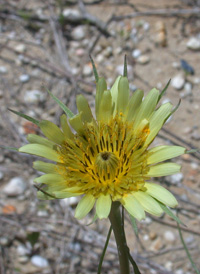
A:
(106, 158)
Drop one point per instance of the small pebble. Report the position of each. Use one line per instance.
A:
(80, 52)
(70, 13)
(108, 52)
(20, 48)
(146, 237)
(188, 87)
(4, 241)
(78, 33)
(72, 201)
(193, 43)
(136, 53)
(99, 58)
(179, 271)
(176, 178)
(24, 78)
(16, 186)
(3, 70)
(152, 235)
(169, 236)
(178, 82)
(23, 250)
(156, 245)
(34, 96)
(195, 136)
(143, 59)
(87, 70)
(39, 261)
(23, 259)
(168, 265)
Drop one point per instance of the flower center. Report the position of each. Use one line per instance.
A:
(106, 165)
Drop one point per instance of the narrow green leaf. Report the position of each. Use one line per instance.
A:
(186, 250)
(173, 110)
(125, 74)
(134, 224)
(44, 192)
(134, 265)
(104, 250)
(192, 151)
(94, 70)
(9, 148)
(164, 90)
(170, 213)
(68, 112)
(34, 121)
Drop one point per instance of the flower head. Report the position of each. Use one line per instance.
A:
(106, 158)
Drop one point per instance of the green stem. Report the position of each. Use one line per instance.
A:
(118, 229)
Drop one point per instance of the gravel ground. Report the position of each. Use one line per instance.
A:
(46, 44)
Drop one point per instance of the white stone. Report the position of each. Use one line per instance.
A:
(34, 96)
(194, 166)
(179, 271)
(39, 261)
(23, 250)
(23, 259)
(176, 178)
(87, 70)
(168, 265)
(78, 33)
(146, 26)
(4, 241)
(16, 186)
(193, 43)
(108, 52)
(188, 87)
(146, 237)
(120, 70)
(99, 58)
(143, 59)
(169, 236)
(70, 13)
(20, 48)
(178, 82)
(72, 201)
(176, 65)
(136, 53)
(24, 78)
(3, 70)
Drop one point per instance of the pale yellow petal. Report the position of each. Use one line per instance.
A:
(103, 206)
(157, 120)
(147, 106)
(101, 87)
(84, 206)
(133, 207)
(42, 151)
(161, 194)
(77, 124)
(51, 179)
(163, 169)
(134, 104)
(45, 167)
(35, 139)
(65, 127)
(148, 203)
(52, 132)
(162, 153)
(83, 106)
(123, 95)
(105, 110)
(114, 92)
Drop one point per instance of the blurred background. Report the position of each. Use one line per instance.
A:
(46, 44)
